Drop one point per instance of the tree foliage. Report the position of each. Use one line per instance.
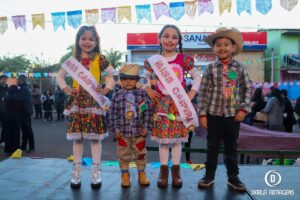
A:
(114, 57)
(15, 64)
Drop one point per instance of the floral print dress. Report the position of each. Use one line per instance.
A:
(86, 119)
(166, 129)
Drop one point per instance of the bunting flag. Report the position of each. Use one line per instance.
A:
(74, 18)
(124, 12)
(190, 8)
(224, 5)
(263, 6)
(92, 16)
(288, 4)
(143, 11)
(3, 25)
(38, 20)
(19, 21)
(160, 9)
(176, 10)
(243, 5)
(58, 19)
(108, 14)
(205, 6)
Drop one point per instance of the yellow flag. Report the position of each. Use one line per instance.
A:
(17, 154)
(124, 12)
(38, 19)
(92, 16)
(197, 166)
(190, 8)
(132, 165)
(224, 5)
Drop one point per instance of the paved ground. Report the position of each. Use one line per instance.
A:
(50, 140)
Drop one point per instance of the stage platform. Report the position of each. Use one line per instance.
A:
(38, 178)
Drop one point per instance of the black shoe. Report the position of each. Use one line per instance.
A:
(206, 181)
(235, 183)
(30, 150)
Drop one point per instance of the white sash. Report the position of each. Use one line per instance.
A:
(84, 78)
(172, 84)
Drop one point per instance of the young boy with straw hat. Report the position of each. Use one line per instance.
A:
(130, 120)
(224, 101)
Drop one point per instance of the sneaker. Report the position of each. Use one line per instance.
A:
(235, 183)
(96, 177)
(75, 180)
(206, 182)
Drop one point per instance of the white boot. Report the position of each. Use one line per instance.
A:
(75, 180)
(96, 177)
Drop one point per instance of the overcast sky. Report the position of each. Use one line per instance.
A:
(50, 45)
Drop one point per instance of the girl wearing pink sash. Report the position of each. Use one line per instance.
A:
(169, 130)
(86, 116)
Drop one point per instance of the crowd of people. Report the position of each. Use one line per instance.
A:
(17, 105)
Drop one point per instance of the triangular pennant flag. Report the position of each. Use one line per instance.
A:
(124, 12)
(19, 21)
(14, 74)
(263, 6)
(3, 25)
(30, 75)
(176, 10)
(17, 154)
(243, 5)
(38, 20)
(59, 19)
(160, 9)
(74, 18)
(224, 5)
(92, 16)
(288, 4)
(108, 14)
(143, 11)
(190, 8)
(45, 74)
(37, 75)
(205, 6)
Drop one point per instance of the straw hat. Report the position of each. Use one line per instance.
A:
(223, 32)
(130, 71)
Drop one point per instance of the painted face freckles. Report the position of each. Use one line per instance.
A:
(169, 39)
(224, 48)
(87, 42)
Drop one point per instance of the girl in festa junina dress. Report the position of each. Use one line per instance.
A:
(86, 117)
(168, 129)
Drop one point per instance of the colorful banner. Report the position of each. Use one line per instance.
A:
(58, 19)
(205, 6)
(19, 21)
(243, 5)
(3, 25)
(74, 18)
(124, 12)
(176, 10)
(92, 16)
(143, 11)
(190, 8)
(108, 14)
(224, 5)
(160, 9)
(263, 6)
(38, 20)
(288, 4)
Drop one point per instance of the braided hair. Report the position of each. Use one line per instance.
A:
(179, 35)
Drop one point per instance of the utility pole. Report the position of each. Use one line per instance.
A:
(272, 65)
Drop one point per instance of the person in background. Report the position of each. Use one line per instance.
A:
(3, 94)
(257, 104)
(297, 109)
(59, 99)
(27, 111)
(47, 100)
(288, 115)
(13, 107)
(36, 100)
(275, 110)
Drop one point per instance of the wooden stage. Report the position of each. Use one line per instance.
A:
(38, 178)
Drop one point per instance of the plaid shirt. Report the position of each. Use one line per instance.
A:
(211, 96)
(117, 120)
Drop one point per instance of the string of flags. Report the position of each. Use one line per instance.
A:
(29, 74)
(175, 10)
